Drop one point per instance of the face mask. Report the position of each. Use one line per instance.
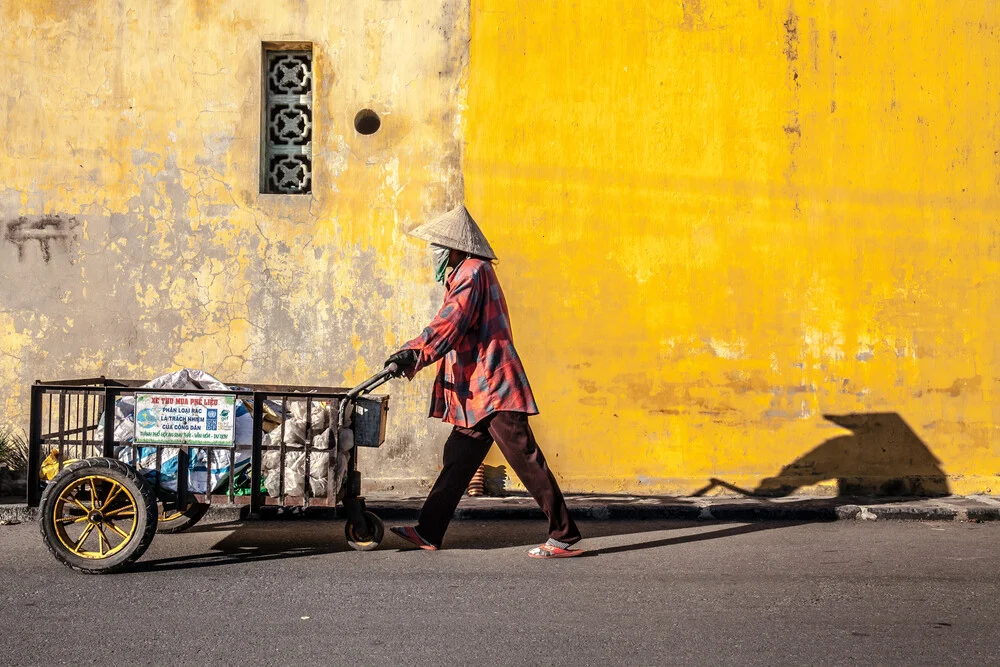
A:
(441, 256)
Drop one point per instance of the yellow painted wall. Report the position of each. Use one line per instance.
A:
(720, 221)
(717, 221)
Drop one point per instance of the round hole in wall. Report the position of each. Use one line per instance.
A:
(367, 122)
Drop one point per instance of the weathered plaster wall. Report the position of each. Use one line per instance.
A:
(719, 221)
(135, 240)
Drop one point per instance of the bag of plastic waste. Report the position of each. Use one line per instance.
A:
(322, 423)
(207, 469)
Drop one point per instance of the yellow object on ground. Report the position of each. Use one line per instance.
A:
(50, 466)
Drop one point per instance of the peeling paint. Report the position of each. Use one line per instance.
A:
(141, 172)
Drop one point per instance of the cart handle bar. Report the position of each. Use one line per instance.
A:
(374, 381)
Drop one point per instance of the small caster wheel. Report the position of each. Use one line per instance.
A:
(365, 537)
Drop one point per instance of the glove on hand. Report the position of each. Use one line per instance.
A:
(405, 360)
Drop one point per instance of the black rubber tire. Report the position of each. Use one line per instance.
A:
(190, 516)
(368, 537)
(145, 515)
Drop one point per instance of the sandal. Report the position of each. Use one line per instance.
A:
(549, 551)
(410, 534)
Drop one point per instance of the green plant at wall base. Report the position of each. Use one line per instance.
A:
(13, 450)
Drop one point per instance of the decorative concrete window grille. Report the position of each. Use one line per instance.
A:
(287, 122)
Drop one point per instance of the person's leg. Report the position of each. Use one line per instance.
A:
(513, 435)
(464, 451)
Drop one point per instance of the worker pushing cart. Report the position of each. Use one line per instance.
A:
(481, 388)
(118, 480)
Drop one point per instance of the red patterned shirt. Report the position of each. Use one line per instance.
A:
(480, 372)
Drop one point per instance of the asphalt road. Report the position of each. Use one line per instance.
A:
(291, 593)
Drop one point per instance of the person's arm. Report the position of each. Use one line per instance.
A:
(457, 312)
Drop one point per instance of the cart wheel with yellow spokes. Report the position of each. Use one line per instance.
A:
(98, 515)
(173, 518)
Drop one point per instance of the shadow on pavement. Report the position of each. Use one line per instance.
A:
(250, 542)
(730, 531)
(254, 542)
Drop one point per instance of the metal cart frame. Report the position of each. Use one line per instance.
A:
(67, 414)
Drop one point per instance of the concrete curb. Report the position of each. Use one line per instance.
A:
(632, 509)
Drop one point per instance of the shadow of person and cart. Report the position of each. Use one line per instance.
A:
(251, 542)
(881, 458)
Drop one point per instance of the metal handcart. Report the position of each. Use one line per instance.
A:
(108, 494)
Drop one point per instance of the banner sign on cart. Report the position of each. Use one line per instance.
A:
(185, 419)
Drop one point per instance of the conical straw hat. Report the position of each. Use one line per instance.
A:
(456, 229)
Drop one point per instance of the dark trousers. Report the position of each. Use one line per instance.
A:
(464, 452)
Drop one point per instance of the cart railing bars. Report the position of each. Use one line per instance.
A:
(66, 415)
